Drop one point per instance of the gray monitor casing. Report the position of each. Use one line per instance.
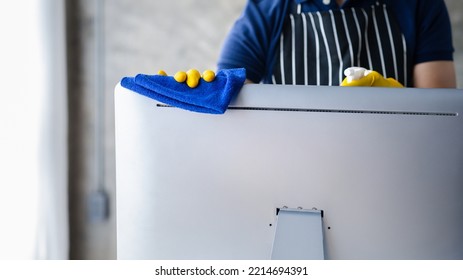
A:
(384, 165)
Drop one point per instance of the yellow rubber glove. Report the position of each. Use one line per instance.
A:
(191, 77)
(360, 77)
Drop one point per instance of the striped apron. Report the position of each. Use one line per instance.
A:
(315, 48)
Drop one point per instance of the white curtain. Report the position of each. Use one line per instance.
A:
(33, 139)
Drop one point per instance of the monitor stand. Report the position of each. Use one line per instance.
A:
(298, 235)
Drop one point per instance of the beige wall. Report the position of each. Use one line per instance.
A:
(456, 16)
(140, 36)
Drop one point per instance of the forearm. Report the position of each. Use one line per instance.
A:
(435, 74)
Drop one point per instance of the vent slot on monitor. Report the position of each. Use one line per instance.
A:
(338, 111)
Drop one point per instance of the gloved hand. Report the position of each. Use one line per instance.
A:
(191, 77)
(361, 77)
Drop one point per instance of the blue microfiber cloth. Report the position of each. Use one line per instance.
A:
(208, 97)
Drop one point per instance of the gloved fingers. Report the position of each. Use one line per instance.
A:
(362, 82)
(208, 75)
(371, 79)
(191, 77)
(380, 81)
(162, 73)
(394, 83)
(180, 76)
(365, 81)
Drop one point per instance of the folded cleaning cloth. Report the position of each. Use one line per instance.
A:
(208, 97)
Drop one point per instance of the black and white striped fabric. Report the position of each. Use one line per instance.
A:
(315, 48)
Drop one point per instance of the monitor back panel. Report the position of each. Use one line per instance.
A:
(385, 166)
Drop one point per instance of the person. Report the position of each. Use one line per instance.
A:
(312, 42)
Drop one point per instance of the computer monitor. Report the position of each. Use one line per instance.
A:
(384, 165)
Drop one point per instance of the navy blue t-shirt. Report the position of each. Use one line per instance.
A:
(251, 43)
